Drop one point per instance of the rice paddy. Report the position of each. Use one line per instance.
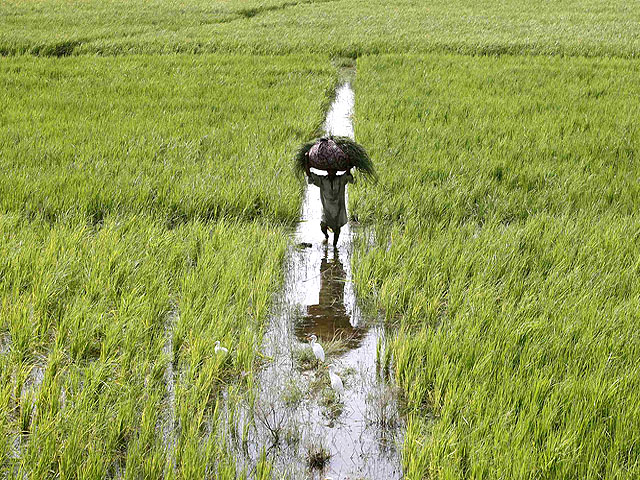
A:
(347, 28)
(149, 196)
(113, 297)
(179, 137)
(506, 251)
(87, 314)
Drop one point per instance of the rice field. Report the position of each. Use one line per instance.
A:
(179, 137)
(95, 320)
(116, 279)
(506, 250)
(348, 28)
(148, 195)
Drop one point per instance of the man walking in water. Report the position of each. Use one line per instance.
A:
(332, 193)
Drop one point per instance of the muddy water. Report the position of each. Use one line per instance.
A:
(305, 430)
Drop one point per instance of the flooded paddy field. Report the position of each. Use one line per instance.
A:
(117, 276)
(295, 419)
(508, 247)
(480, 309)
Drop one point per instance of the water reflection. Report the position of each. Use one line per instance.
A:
(328, 318)
(289, 415)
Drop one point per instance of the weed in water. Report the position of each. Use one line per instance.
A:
(292, 394)
(272, 418)
(331, 403)
(304, 358)
(317, 456)
(338, 345)
(382, 408)
(293, 435)
(264, 467)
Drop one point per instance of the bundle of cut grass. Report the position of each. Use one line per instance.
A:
(334, 153)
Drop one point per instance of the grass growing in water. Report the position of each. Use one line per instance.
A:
(317, 456)
(99, 276)
(90, 308)
(506, 226)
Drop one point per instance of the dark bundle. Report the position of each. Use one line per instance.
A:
(337, 153)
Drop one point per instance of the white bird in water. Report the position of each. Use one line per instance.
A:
(318, 351)
(219, 349)
(336, 381)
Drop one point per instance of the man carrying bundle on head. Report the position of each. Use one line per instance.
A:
(333, 154)
(332, 194)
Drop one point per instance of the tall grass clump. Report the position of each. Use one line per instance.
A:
(506, 223)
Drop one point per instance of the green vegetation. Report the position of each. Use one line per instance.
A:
(113, 297)
(317, 456)
(338, 28)
(146, 197)
(506, 246)
(181, 137)
(95, 309)
(61, 27)
(304, 358)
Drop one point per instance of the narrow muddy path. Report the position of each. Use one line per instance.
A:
(295, 419)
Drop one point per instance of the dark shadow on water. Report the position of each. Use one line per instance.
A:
(328, 319)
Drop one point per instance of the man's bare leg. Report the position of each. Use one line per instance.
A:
(323, 227)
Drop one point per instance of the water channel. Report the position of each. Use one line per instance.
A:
(296, 420)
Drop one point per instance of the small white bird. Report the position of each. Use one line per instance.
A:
(218, 349)
(336, 381)
(318, 351)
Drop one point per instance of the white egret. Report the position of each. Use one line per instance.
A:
(219, 349)
(336, 381)
(318, 351)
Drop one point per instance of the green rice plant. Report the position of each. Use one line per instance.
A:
(264, 467)
(505, 246)
(358, 155)
(65, 26)
(112, 300)
(345, 28)
(180, 137)
(90, 401)
(7, 407)
(383, 358)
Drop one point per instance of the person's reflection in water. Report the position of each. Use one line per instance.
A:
(329, 318)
